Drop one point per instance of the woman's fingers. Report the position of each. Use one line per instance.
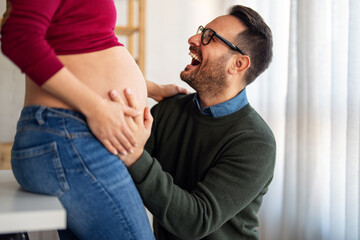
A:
(134, 104)
(128, 111)
(182, 90)
(114, 95)
(131, 99)
(109, 146)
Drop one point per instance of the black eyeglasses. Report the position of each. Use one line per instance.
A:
(208, 34)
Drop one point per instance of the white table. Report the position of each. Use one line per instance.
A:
(21, 211)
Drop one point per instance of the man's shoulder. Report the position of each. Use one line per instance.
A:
(178, 101)
(256, 126)
(178, 98)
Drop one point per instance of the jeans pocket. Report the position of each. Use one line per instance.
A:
(39, 169)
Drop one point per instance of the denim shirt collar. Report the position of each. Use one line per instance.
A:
(224, 108)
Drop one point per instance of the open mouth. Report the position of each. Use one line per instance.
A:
(195, 59)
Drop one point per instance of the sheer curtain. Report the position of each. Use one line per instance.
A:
(316, 190)
(321, 177)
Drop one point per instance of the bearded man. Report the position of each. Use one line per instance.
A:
(210, 157)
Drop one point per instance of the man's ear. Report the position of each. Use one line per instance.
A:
(240, 63)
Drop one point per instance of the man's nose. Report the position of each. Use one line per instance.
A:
(195, 40)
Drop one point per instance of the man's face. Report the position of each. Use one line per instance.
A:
(206, 76)
(208, 68)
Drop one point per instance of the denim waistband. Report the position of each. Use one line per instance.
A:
(38, 112)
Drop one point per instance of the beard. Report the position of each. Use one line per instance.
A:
(208, 79)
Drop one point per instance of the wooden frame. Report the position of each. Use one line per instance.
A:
(5, 155)
(131, 29)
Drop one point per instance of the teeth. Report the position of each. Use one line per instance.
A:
(194, 56)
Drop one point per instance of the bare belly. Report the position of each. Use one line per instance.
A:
(102, 71)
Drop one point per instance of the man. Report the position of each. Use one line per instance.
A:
(210, 157)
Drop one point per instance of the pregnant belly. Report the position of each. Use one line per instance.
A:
(101, 71)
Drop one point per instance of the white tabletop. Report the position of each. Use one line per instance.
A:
(21, 211)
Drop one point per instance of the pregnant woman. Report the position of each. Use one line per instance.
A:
(69, 132)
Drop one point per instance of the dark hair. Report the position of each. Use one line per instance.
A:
(255, 41)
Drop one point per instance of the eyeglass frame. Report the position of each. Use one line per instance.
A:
(227, 42)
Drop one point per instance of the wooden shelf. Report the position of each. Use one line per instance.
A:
(130, 30)
(126, 30)
(5, 155)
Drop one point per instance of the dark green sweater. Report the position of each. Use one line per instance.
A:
(204, 177)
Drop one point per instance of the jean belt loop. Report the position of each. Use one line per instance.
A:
(39, 115)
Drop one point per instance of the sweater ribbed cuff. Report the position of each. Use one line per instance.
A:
(141, 167)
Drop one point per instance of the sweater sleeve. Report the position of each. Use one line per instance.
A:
(23, 38)
(239, 177)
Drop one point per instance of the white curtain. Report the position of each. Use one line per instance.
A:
(314, 112)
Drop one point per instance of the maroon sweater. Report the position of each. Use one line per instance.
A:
(39, 30)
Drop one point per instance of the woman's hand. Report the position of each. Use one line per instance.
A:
(105, 118)
(139, 125)
(159, 92)
(108, 124)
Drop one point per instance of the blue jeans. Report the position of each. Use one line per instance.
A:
(55, 153)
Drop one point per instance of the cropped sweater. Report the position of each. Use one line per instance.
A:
(35, 31)
(204, 177)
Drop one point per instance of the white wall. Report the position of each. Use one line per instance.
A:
(169, 25)
(11, 95)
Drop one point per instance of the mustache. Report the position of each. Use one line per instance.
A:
(195, 50)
